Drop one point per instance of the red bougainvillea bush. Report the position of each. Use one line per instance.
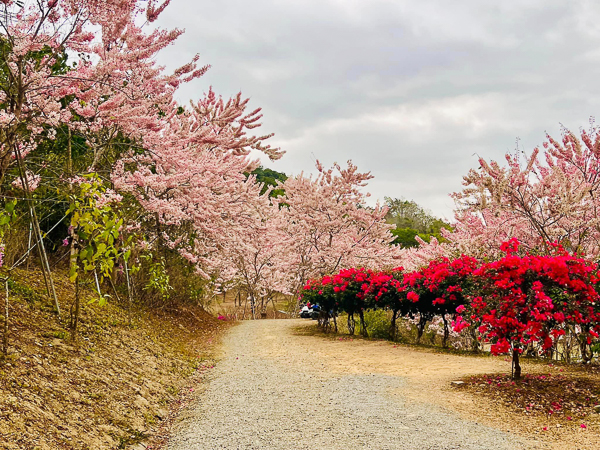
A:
(518, 303)
(534, 300)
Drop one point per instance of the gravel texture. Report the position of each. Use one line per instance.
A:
(271, 391)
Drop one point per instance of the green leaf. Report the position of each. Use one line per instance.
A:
(10, 207)
(86, 253)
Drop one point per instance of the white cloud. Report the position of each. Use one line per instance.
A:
(409, 90)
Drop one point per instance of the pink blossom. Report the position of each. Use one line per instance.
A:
(459, 324)
(31, 181)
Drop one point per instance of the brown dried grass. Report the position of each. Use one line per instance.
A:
(112, 386)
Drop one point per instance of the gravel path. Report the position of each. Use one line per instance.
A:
(270, 391)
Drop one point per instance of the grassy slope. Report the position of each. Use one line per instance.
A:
(111, 387)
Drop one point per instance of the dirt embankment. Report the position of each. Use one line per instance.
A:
(112, 387)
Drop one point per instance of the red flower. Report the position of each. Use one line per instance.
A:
(412, 296)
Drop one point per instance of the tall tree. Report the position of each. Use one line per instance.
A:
(331, 226)
(190, 181)
(553, 195)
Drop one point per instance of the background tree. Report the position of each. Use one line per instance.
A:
(549, 196)
(269, 179)
(412, 220)
(330, 226)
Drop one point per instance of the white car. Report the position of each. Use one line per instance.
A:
(305, 312)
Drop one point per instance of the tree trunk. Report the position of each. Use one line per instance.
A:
(351, 324)
(446, 332)
(393, 326)
(335, 327)
(516, 365)
(363, 325)
(530, 350)
(29, 245)
(263, 308)
(46, 272)
(252, 306)
(129, 294)
(552, 352)
(420, 329)
(5, 337)
(74, 268)
(586, 353)
(44, 260)
(75, 313)
(324, 320)
(245, 306)
(474, 340)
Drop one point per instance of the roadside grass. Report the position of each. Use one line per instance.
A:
(405, 338)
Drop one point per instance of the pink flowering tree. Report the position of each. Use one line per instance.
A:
(413, 258)
(250, 255)
(190, 181)
(87, 69)
(82, 63)
(81, 68)
(330, 225)
(550, 196)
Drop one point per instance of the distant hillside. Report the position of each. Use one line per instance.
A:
(412, 220)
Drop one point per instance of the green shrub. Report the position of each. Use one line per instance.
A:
(24, 291)
(378, 323)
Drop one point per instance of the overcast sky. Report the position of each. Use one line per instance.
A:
(409, 90)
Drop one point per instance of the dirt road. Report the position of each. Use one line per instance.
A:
(277, 388)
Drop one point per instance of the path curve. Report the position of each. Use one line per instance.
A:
(274, 389)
